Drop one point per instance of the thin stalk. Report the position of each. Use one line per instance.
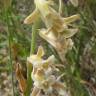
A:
(8, 19)
(33, 47)
(34, 36)
(60, 7)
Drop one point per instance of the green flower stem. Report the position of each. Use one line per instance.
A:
(33, 47)
(60, 7)
(35, 28)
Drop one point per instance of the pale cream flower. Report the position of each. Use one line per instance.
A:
(42, 75)
(41, 67)
(62, 43)
(57, 27)
(50, 17)
(36, 59)
(38, 62)
(42, 7)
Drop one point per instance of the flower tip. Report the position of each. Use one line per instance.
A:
(40, 52)
(25, 21)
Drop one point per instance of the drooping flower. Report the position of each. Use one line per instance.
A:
(43, 76)
(50, 17)
(57, 33)
(41, 67)
(62, 43)
(37, 61)
(41, 9)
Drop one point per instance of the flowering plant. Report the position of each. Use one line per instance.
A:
(58, 34)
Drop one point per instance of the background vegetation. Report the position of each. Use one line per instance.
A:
(15, 39)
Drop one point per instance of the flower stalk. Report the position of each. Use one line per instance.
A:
(35, 26)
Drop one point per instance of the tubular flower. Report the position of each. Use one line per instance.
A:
(37, 61)
(50, 17)
(61, 43)
(57, 33)
(41, 68)
(44, 79)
